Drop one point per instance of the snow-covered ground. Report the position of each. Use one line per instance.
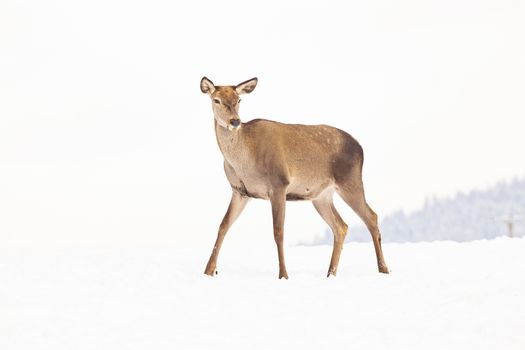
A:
(439, 295)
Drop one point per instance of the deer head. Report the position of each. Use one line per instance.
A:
(225, 101)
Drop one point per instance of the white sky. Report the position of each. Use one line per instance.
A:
(106, 139)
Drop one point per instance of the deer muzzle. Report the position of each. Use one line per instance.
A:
(235, 122)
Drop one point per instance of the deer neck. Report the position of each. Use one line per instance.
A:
(230, 143)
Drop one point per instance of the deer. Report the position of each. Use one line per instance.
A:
(281, 162)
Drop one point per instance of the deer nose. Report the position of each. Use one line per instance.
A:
(235, 122)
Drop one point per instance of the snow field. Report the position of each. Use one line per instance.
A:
(439, 295)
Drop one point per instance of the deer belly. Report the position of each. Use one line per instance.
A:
(306, 191)
(297, 190)
(250, 189)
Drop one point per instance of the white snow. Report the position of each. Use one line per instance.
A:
(439, 295)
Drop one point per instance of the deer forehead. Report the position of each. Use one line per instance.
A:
(227, 94)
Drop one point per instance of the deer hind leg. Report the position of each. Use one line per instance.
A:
(237, 204)
(278, 201)
(354, 196)
(325, 207)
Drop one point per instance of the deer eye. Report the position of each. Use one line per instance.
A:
(239, 101)
(217, 101)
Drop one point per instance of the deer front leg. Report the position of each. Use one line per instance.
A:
(278, 201)
(237, 204)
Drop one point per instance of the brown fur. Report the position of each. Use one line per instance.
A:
(284, 162)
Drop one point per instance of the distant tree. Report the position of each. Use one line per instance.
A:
(465, 217)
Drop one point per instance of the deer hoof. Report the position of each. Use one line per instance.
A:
(383, 269)
(331, 272)
(210, 271)
(283, 275)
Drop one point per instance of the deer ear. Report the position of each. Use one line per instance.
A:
(207, 86)
(246, 87)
